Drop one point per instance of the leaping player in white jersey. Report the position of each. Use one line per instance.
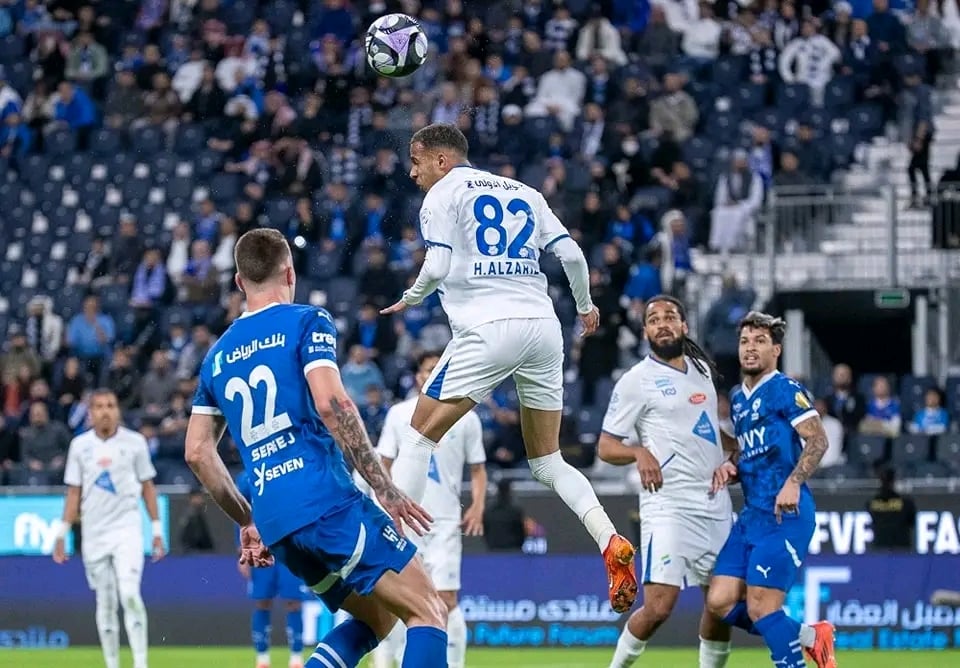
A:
(108, 471)
(484, 234)
(442, 546)
(663, 418)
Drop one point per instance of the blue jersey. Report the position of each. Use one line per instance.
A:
(764, 421)
(255, 376)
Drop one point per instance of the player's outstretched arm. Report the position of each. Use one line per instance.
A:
(575, 267)
(203, 434)
(436, 266)
(340, 416)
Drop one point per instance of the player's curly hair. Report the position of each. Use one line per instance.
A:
(759, 320)
(441, 135)
(701, 359)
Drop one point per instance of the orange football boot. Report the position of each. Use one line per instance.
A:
(822, 652)
(621, 577)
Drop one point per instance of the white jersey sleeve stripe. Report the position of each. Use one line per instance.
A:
(804, 416)
(316, 364)
(206, 410)
(555, 240)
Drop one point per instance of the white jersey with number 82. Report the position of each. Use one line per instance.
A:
(495, 228)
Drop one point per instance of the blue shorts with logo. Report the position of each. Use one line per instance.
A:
(764, 553)
(275, 582)
(346, 551)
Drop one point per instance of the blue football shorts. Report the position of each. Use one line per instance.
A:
(275, 582)
(767, 554)
(345, 551)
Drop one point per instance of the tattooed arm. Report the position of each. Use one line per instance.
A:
(815, 445)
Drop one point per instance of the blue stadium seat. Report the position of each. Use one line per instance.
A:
(843, 472)
(910, 448)
(105, 142)
(12, 49)
(841, 147)
(120, 167)
(145, 141)
(839, 94)
(77, 168)
(727, 72)
(866, 450)
(749, 97)
(952, 397)
(342, 296)
(280, 16)
(224, 188)
(114, 298)
(180, 190)
(866, 120)
(947, 450)
(538, 131)
(323, 265)
(135, 192)
(163, 166)
(190, 140)
(793, 99)
(207, 162)
(927, 470)
(20, 76)
(60, 142)
(724, 128)
(279, 211)
(818, 119)
(591, 423)
(912, 392)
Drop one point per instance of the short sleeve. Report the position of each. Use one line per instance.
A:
(142, 465)
(795, 402)
(436, 221)
(204, 400)
(73, 474)
(624, 410)
(388, 444)
(551, 229)
(473, 434)
(318, 341)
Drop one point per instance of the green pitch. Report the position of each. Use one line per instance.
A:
(232, 657)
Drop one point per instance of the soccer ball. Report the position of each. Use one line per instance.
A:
(396, 45)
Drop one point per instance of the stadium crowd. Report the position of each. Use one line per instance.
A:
(138, 140)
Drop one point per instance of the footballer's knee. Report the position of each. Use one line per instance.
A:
(762, 601)
(658, 603)
(292, 606)
(719, 603)
(263, 604)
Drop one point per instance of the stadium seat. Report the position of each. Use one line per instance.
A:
(12, 49)
(105, 142)
(145, 141)
(912, 392)
(866, 450)
(839, 93)
(947, 450)
(866, 120)
(952, 397)
(927, 470)
(323, 265)
(910, 449)
(591, 422)
(793, 99)
(190, 140)
(727, 72)
(224, 188)
(572, 396)
(749, 97)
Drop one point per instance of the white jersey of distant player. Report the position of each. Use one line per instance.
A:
(110, 474)
(674, 414)
(495, 228)
(463, 444)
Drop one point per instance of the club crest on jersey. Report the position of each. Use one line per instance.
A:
(698, 398)
(756, 410)
(665, 386)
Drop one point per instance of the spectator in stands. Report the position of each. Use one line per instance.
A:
(207, 102)
(194, 351)
(10, 100)
(200, 278)
(148, 291)
(159, 384)
(374, 411)
(645, 276)
(73, 109)
(809, 59)
(374, 333)
(946, 212)
(195, 534)
(843, 401)
(883, 416)
(701, 37)
(559, 93)
(43, 446)
(598, 36)
(657, 44)
(674, 240)
(71, 385)
(90, 336)
(124, 380)
(500, 415)
(886, 31)
(178, 255)
(175, 417)
(19, 354)
(834, 430)
(933, 418)
(359, 374)
(674, 113)
(503, 521)
(916, 109)
(222, 258)
(88, 64)
(127, 248)
(124, 107)
(9, 449)
(720, 328)
(599, 353)
(893, 515)
(736, 200)
(16, 139)
(378, 284)
(95, 268)
(44, 330)
(927, 36)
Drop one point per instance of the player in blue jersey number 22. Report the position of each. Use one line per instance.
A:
(272, 379)
(781, 443)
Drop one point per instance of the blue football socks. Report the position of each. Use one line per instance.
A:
(295, 631)
(426, 648)
(739, 618)
(345, 645)
(782, 636)
(260, 627)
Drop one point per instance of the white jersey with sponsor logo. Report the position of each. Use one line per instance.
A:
(110, 474)
(463, 444)
(674, 414)
(495, 228)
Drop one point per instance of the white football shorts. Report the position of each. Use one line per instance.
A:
(442, 552)
(122, 563)
(680, 550)
(475, 363)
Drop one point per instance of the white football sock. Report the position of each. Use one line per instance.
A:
(808, 635)
(456, 639)
(629, 649)
(135, 621)
(263, 659)
(714, 653)
(108, 623)
(575, 491)
(410, 469)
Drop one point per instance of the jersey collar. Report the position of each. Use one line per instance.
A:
(259, 310)
(747, 393)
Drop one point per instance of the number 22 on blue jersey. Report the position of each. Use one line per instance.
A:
(493, 238)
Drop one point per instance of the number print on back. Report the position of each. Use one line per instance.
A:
(493, 236)
(251, 433)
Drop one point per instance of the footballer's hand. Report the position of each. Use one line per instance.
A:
(399, 307)
(725, 474)
(60, 552)
(403, 511)
(590, 321)
(473, 521)
(651, 477)
(159, 549)
(252, 550)
(788, 500)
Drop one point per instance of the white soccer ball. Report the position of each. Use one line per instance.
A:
(396, 45)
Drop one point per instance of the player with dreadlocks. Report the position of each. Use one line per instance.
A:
(663, 418)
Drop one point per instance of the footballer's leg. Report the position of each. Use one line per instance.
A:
(539, 380)
(101, 579)
(263, 589)
(714, 638)
(290, 588)
(442, 555)
(128, 565)
(658, 602)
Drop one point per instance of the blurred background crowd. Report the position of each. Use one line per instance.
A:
(140, 138)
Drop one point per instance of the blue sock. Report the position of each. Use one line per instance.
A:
(426, 648)
(782, 636)
(739, 618)
(345, 645)
(260, 625)
(295, 631)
